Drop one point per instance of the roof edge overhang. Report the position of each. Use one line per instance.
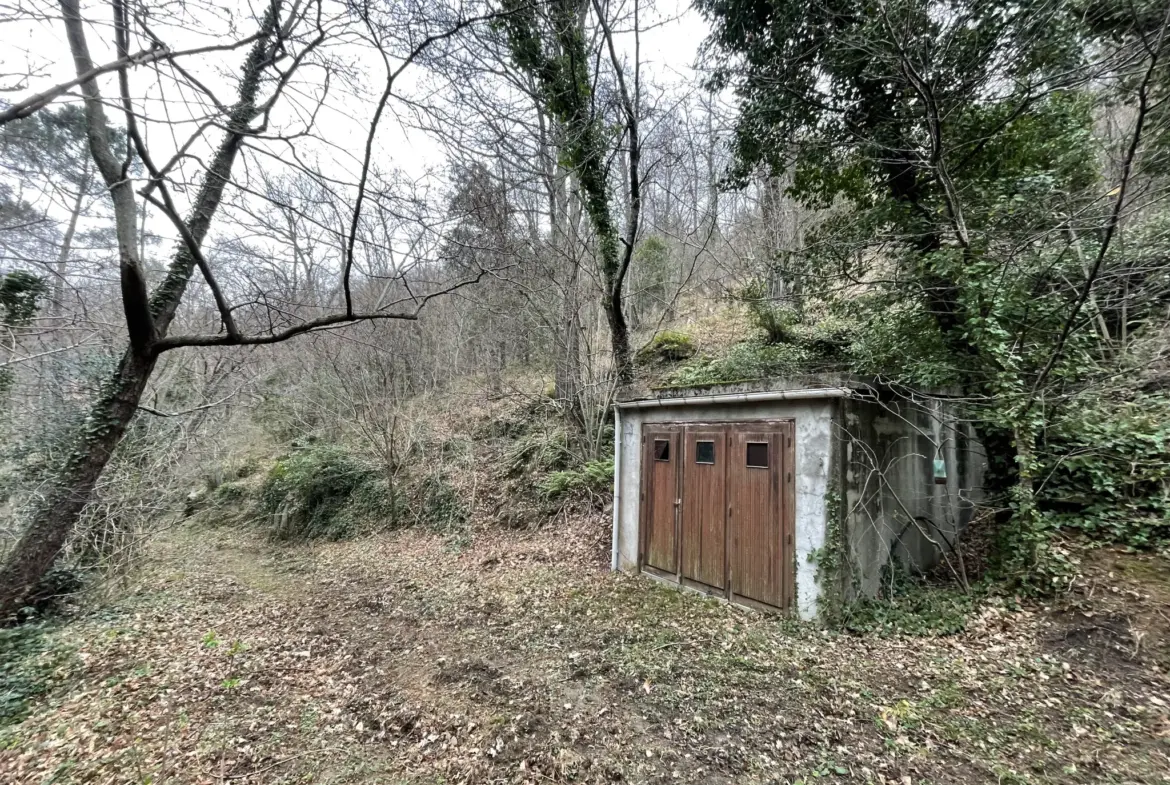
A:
(810, 393)
(808, 387)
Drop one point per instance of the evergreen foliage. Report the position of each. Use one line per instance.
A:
(955, 142)
(1107, 462)
(325, 493)
(593, 477)
(28, 659)
(19, 295)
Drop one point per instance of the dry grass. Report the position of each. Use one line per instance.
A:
(518, 658)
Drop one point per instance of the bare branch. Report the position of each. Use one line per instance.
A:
(157, 52)
(193, 409)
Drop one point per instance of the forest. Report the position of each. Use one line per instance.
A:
(314, 315)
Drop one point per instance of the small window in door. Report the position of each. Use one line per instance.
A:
(704, 452)
(757, 455)
(662, 449)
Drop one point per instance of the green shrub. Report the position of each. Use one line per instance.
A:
(373, 504)
(929, 611)
(246, 468)
(828, 340)
(667, 346)
(776, 321)
(19, 294)
(321, 492)
(533, 417)
(538, 452)
(1108, 469)
(910, 606)
(64, 580)
(229, 493)
(28, 661)
(324, 492)
(900, 342)
(594, 477)
(437, 505)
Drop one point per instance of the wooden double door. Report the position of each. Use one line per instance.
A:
(717, 508)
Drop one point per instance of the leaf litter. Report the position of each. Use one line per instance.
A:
(518, 658)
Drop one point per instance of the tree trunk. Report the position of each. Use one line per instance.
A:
(1002, 467)
(1022, 548)
(619, 336)
(568, 345)
(147, 317)
(43, 540)
(568, 332)
(58, 304)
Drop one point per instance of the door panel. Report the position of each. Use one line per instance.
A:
(718, 507)
(704, 532)
(754, 472)
(660, 457)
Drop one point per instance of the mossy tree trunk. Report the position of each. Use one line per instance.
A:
(549, 43)
(148, 318)
(49, 529)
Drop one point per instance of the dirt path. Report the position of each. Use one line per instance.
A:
(402, 659)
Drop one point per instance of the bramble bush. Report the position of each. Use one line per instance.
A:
(325, 492)
(1108, 468)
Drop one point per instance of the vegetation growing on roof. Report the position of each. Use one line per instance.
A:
(745, 361)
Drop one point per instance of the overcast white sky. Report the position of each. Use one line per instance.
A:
(35, 43)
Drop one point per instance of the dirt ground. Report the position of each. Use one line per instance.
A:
(518, 658)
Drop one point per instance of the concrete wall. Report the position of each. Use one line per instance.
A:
(893, 509)
(815, 460)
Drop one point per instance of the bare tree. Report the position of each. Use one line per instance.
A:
(549, 43)
(293, 59)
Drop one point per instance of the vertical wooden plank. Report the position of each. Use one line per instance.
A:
(728, 443)
(702, 537)
(779, 470)
(757, 566)
(659, 489)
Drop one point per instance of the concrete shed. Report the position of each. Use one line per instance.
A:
(789, 494)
